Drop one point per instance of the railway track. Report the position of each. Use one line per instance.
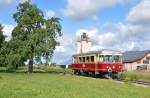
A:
(142, 82)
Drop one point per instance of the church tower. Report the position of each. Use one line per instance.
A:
(83, 44)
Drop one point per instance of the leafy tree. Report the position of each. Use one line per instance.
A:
(2, 52)
(2, 37)
(34, 36)
(15, 56)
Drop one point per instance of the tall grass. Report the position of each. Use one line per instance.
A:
(133, 76)
(37, 85)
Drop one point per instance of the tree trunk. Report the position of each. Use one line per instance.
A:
(16, 67)
(30, 67)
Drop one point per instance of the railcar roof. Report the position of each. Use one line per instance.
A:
(98, 52)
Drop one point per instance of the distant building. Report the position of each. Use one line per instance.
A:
(83, 44)
(136, 60)
(64, 66)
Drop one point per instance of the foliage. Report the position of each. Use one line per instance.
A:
(128, 77)
(2, 37)
(2, 47)
(133, 76)
(36, 85)
(33, 37)
(68, 71)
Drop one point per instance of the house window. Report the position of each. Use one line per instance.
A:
(138, 62)
(145, 61)
(147, 58)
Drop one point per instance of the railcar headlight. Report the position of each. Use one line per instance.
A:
(113, 67)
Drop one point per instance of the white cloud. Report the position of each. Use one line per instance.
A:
(63, 53)
(60, 49)
(134, 34)
(122, 37)
(98, 40)
(8, 30)
(50, 13)
(77, 9)
(91, 32)
(140, 14)
(6, 2)
(95, 18)
(125, 37)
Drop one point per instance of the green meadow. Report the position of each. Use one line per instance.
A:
(46, 85)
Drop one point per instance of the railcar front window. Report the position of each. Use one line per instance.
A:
(108, 58)
(117, 58)
(101, 58)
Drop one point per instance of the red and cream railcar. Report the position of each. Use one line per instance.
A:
(97, 62)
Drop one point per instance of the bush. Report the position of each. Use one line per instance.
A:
(122, 76)
(68, 71)
(128, 77)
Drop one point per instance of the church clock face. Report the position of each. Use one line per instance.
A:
(84, 36)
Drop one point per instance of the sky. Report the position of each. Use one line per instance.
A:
(122, 25)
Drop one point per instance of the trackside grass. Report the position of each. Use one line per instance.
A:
(44, 85)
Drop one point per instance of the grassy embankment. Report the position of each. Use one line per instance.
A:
(46, 85)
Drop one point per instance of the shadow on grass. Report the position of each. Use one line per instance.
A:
(11, 71)
(36, 71)
(91, 76)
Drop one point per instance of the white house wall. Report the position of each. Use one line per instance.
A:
(133, 66)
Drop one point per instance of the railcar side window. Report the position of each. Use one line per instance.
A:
(92, 58)
(80, 59)
(87, 59)
(83, 59)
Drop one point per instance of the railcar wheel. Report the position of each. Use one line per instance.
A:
(79, 72)
(86, 73)
(75, 72)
